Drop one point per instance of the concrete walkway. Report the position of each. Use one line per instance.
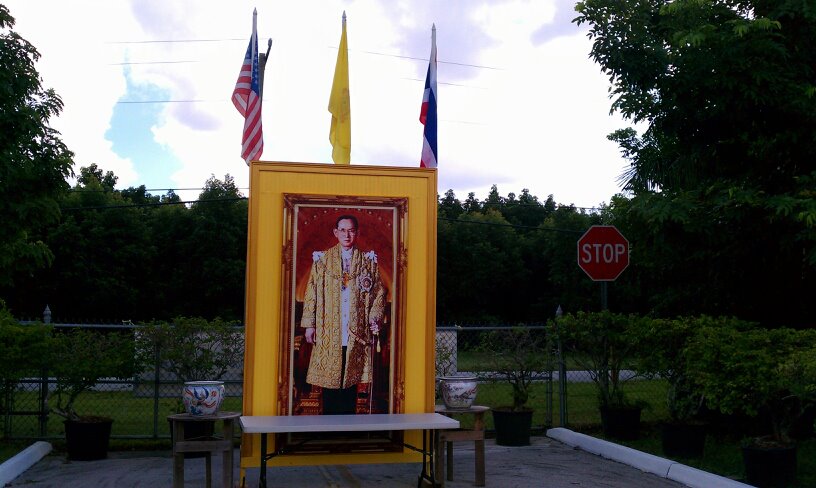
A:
(547, 462)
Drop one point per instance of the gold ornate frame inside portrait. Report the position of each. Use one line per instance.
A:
(308, 220)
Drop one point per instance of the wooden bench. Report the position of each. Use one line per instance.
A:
(429, 423)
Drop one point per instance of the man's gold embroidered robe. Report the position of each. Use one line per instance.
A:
(322, 310)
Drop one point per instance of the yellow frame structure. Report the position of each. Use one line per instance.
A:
(266, 261)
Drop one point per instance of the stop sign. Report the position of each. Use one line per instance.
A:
(603, 253)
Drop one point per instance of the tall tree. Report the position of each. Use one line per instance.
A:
(34, 162)
(218, 250)
(723, 174)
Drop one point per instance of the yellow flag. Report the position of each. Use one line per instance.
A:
(340, 105)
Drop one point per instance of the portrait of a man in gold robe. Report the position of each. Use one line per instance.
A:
(343, 328)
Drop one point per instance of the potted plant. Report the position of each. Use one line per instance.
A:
(198, 352)
(192, 349)
(518, 356)
(763, 373)
(79, 359)
(664, 355)
(604, 345)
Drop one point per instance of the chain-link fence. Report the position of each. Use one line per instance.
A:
(561, 393)
(139, 405)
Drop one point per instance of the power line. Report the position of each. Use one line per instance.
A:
(170, 41)
(373, 53)
(515, 226)
(129, 63)
(156, 204)
(235, 199)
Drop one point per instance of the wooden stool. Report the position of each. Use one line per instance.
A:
(476, 434)
(207, 445)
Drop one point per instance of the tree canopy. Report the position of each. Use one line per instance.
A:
(723, 176)
(34, 162)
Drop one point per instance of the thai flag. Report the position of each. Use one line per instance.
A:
(427, 114)
(246, 98)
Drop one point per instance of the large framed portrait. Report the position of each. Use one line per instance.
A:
(343, 315)
(340, 286)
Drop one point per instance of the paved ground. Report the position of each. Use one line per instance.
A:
(546, 462)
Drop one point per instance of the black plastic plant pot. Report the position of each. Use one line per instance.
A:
(512, 427)
(770, 467)
(621, 422)
(87, 439)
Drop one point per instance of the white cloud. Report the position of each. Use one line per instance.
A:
(520, 106)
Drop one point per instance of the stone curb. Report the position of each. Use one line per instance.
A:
(23, 460)
(649, 463)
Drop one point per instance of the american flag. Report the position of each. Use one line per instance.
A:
(427, 115)
(246, 98)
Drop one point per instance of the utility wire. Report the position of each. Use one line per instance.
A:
(235, 199)
(156, 204)
(515, 226)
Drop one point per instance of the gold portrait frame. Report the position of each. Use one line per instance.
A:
(275, 187)
(311, 214)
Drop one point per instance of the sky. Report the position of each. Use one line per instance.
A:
(147, 84)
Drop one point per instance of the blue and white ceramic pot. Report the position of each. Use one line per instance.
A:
(458, 392)
(202, 397)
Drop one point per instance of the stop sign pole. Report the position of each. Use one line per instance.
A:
(603, 254)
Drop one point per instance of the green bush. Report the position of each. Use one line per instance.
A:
(603, 344)
(194, 349)
(23, 350)
(80, 358)
(517, 355)
(756, 371)
(663, 352)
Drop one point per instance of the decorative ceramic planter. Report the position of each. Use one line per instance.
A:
(202, 397)
(458, 392)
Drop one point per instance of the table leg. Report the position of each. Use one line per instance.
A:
(208, 457)
(178, 457)
(226, 476)
(450, 459)
(178, 470)
(263, 461)
(440, 457)
(478, 426)
(480, 463)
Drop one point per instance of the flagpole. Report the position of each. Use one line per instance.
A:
(262, 64)
(428, 111)
(340, 104)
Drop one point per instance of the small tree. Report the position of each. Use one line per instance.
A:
(80, 358)
(604, 344)
(518, 356)
(193, 349)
